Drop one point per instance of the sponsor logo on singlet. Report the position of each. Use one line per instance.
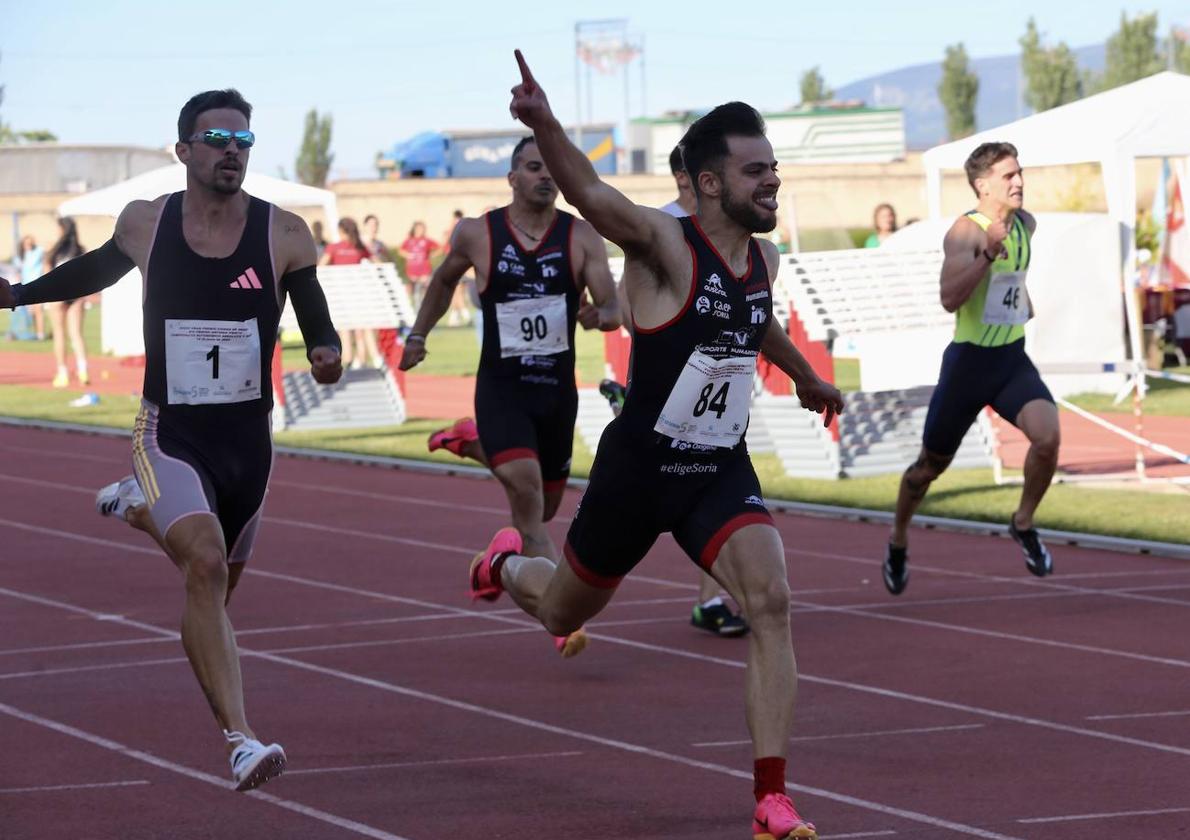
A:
(515, 268)
(702, 305)
(756, 295)
(759, 316)
(509, 253)
(247, 280)
(714, 285)
(551, 254)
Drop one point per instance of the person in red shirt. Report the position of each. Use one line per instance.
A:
(351, 250)
(417, 250)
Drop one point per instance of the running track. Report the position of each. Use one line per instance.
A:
(982, 703)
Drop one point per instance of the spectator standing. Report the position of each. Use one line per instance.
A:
(417, 250)
(884, 219)
(66, 317)
(319, 238)
(29, 262)
(459, 314)
(351, 250)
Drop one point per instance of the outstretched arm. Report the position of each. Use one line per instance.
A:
(632, 227)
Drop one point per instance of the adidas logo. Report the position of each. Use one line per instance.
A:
(247, 280)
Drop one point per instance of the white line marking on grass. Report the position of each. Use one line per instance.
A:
(1105, 816)
(919, 731)
(51, 788)
(189, 772)
(445, 761)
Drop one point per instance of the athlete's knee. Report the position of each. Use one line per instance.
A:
(206, 569)
(1045, 443)
(766, 600)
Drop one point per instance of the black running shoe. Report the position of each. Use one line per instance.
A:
(614, 393)
(1037, 556)
(896, 569)
(719, 620)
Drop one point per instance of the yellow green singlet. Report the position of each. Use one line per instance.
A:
(969, 318)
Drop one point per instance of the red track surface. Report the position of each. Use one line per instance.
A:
(982, 703)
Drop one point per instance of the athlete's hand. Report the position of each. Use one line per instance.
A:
(588, 313)
(997, 232)
(820, 397)
(325, 365)
(529, 104)
(415, 351)
(7, 298)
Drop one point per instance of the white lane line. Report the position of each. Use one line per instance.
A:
(687, 654)
(1178, 713)
(51, 788)
(912, 698)
(918, 731)
(396, 765)
(854, 834)
(1020, 580)
(391, 642)
(626, 746)
(1105, 816)
(182, 770)
(113, 643)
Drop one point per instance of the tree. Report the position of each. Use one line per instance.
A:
(814, 87)
(315, 158)
(1131, 53)
(1052, 76)
(958, 90)
(1179, 43)
(37, 135)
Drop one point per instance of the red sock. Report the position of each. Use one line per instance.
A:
(769, 775)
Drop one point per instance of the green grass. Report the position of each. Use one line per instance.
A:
(964, 494)
(1164, 398)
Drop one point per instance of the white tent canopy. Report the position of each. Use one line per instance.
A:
(110, 201)
(1148, 118)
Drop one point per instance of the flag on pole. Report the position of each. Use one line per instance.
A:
(1176, 259)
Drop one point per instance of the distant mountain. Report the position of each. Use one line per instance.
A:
(915, 89)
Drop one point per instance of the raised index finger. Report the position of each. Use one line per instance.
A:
(526, 74)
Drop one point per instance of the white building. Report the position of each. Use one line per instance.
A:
(817, 135)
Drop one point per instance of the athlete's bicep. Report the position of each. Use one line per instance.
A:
(293, 243)
(960, 249)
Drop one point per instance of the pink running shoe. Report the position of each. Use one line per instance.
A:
(572, 645)
(484, 584)
(454, 438)
(777, 819)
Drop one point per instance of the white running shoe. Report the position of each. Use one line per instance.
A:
(116, 499)
(252, 763)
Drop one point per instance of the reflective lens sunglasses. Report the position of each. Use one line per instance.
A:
(220, 137)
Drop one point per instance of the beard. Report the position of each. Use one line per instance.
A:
(744, 213)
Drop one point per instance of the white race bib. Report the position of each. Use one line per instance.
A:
(211, 361)
(709, 403)
(533, 326)
(1008, 299)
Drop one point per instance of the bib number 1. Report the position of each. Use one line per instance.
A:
(212, 362)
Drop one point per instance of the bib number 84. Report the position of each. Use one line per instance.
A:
(716, 402)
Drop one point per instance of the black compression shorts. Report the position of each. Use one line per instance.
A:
(633, 498)
(973, 377)
(516, 420)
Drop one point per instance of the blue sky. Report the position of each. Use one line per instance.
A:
(118, 71)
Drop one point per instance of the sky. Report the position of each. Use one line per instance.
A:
(117, 72)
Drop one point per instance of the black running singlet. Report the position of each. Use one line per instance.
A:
(210, 323)
(529, 306)
(691, 386)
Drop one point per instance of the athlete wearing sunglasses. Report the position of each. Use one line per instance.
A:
(219, 138)
(217, 265)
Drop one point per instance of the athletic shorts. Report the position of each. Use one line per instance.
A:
(516, 420)
(632, 499)
(184, 467)
(973, 377)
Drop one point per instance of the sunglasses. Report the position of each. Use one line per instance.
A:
(219, 138)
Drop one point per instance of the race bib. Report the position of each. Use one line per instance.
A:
(709, 403)
(533, 326)
(1008, 299)
(211, 361)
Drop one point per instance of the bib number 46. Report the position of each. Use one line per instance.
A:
(1012, 298)
(710, 399)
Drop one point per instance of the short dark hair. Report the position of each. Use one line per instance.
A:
(675, 161)
(516, 151)
(209, 100)
(985, 156)
(705, 144)
(371, 218)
